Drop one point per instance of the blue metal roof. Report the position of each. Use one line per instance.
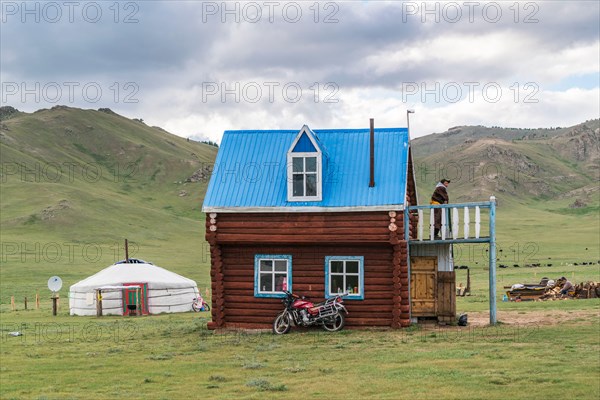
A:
(250, 172)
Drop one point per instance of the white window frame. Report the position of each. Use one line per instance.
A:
(290, 174)
(290, 168)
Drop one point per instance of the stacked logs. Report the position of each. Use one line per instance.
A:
(587, 290)
(583, 290)
(216, 273)
(400, 293)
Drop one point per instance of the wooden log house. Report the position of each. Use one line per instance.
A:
(319, 213)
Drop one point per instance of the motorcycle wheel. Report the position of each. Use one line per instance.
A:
(336, 323)
(195, 307)
(282, 324)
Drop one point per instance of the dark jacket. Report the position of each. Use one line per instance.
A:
(440, 194)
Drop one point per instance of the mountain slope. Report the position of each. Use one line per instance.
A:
(438, 142)
(524, 170)
(75, 183)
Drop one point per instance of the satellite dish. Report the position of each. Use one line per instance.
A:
(54, 283)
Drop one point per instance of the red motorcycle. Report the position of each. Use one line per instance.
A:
(299, 311)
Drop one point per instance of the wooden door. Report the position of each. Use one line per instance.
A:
(423, 286)
(130, 297)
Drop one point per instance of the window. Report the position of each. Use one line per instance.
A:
(304, 168)
(344, 274)
(272, 275)
(304, 171)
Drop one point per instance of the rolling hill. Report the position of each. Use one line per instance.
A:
(76, 183)
(513, 165)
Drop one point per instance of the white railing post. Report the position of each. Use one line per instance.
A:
(477, 222)
(420, 224)
(443, 228)
(431, 224)
(455, 223)
(467, 222)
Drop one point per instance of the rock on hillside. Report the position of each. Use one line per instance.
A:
(581, 144)
(7, 111)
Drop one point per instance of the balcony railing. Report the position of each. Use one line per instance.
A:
(460, 222)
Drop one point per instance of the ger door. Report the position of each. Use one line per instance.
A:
(135, 300)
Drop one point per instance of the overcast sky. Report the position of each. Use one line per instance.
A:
(199, 68)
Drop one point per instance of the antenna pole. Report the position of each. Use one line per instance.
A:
(126, 252)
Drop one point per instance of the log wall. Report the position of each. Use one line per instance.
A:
(304, 227)
(308, 237)
(308, 279)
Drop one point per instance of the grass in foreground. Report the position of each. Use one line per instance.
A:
(173, 356)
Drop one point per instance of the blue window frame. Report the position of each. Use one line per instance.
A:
(345, 274)
(272, 275)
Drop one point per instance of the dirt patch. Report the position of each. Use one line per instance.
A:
(541, 317)
(51, 211)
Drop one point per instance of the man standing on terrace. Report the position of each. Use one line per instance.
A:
(439, 196)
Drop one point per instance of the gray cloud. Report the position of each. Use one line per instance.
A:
(176, 46)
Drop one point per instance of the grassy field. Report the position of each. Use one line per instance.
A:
(546, 347)
(168, 357)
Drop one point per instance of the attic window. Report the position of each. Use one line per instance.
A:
(304, 169)
(304, 176)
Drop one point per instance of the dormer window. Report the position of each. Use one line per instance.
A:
(304, 168)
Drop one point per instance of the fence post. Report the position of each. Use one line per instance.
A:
(54, 303)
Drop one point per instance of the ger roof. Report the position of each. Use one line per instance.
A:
(117, 274)
(250, 172)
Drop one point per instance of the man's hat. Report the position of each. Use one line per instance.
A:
(445, 180)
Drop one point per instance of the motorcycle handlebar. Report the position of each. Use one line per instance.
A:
(288, 293)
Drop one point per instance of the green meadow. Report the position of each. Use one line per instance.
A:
(175, 356)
